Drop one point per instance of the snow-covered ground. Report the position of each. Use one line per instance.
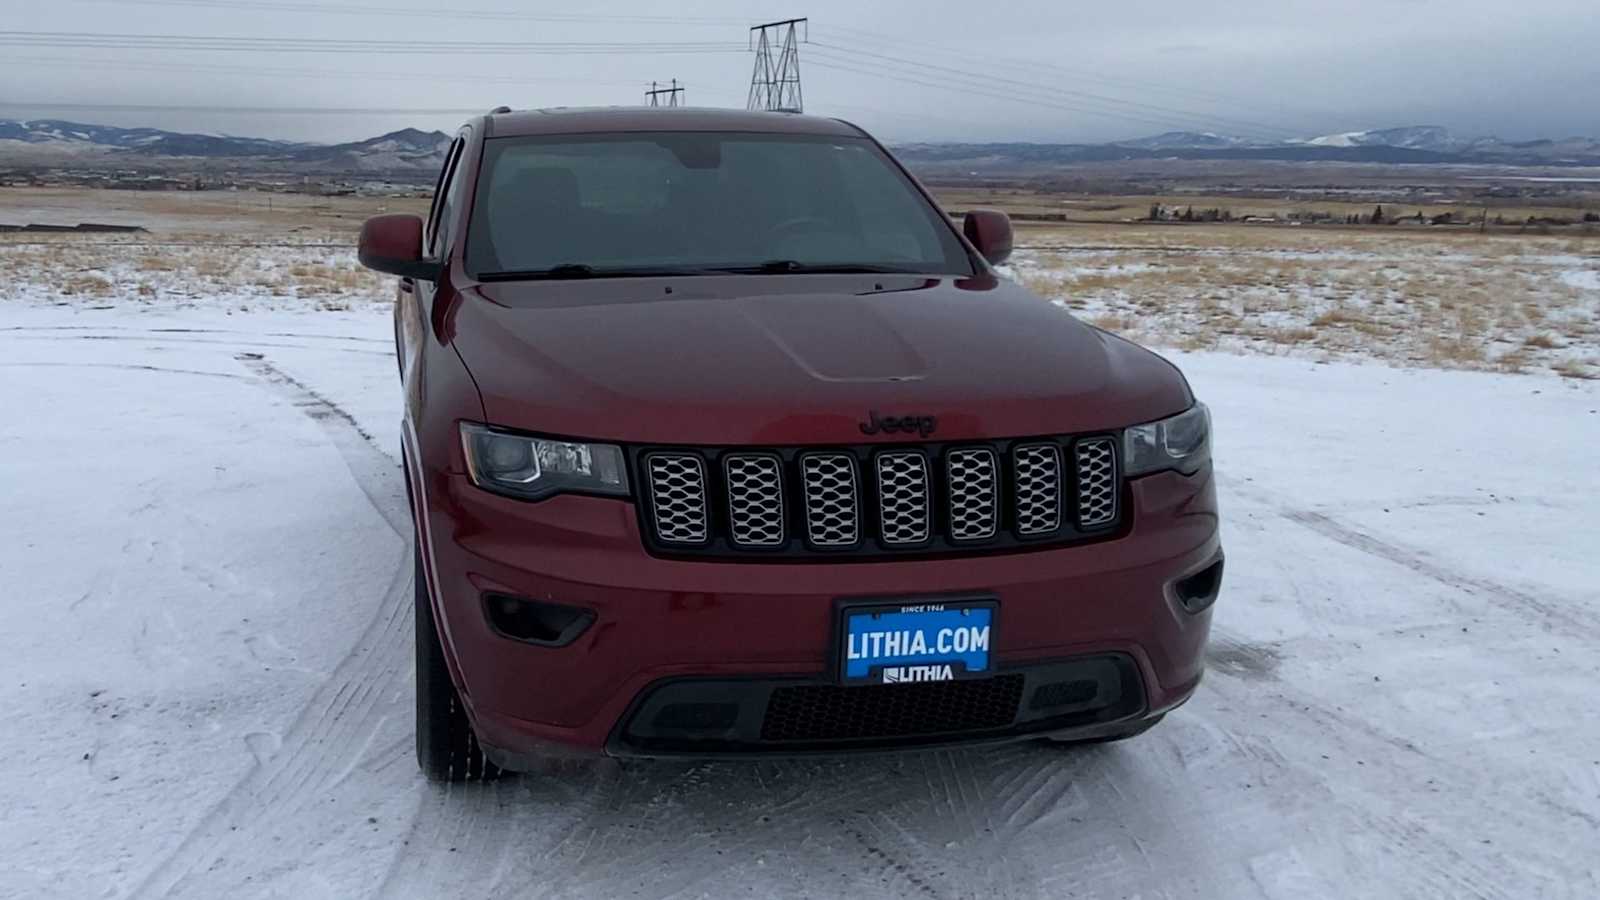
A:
(205, 673)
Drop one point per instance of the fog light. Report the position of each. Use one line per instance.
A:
(536, 622)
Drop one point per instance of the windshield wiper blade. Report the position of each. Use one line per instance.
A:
(583, 270)
(575, 271)
(565, 270)
(790, 266)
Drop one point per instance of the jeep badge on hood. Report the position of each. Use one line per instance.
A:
(923, 425)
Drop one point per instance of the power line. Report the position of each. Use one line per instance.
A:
(992, 93)
(234, 44)
(252, 110)
(440, 13)
(1041, 95)
(865, 37)
(1001, 82)
(1031, 65)
(301, 72)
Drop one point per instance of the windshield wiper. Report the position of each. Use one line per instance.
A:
(795, 267)
(565, 270)
(577, 271)
(573, 271)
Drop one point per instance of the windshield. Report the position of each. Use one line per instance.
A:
(583, 205)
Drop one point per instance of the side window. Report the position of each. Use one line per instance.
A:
(444, 194)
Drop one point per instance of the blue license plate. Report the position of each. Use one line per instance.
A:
(916, 641)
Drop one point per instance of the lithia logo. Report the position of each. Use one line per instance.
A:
(902, 674)
(923, 425)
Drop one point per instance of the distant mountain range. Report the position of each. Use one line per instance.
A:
(1411, 144)
(51, 142)
(55, 142)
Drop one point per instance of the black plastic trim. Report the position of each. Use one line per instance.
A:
(1210, 576)
(752, 694)
(585, 618)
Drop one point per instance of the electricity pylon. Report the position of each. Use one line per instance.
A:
(674, 95)
(775, 85)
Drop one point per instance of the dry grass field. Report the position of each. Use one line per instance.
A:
(205, 213)
(237, 250)
(1405, 296)
(1451, 300)
(1128, 208)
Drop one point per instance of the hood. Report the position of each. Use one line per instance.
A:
(797, 359)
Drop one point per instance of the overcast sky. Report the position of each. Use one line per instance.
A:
(1042, 70)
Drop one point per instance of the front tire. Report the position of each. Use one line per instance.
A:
(447, 749)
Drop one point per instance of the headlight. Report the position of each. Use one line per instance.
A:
(1182, 442)
(534, 468)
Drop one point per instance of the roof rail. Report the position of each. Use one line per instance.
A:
(499, 109)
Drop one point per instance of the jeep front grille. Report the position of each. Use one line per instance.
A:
(755, 499)
(904, 510)
(970, 475)
(1037, 475)
(831, 493)
(678, 496)
(1097, 482)
(880, 500)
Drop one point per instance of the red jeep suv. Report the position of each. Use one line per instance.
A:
(722, 440)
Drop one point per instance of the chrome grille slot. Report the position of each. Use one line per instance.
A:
(1037, 487)
(904, 506)
(972, 482)
(755, 499)
(1097, 482)
(678, 497)
(832, 516)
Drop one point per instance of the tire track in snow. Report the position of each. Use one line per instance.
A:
(126, 367)
(1434, 858)
(1419, 562)
(179, 330)
(1430, 858)
(174, 338)
(375, 472)
(318, 750)
(630, 819)
(1416, 560)
(328, 737)
(964, 798)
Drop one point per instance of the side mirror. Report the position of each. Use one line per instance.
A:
(393, 244)
(990, 231)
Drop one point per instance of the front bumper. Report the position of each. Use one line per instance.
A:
(662, 622)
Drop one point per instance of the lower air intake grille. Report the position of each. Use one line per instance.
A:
(834, 713)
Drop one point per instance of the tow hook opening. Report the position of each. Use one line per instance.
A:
(1198, 591)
